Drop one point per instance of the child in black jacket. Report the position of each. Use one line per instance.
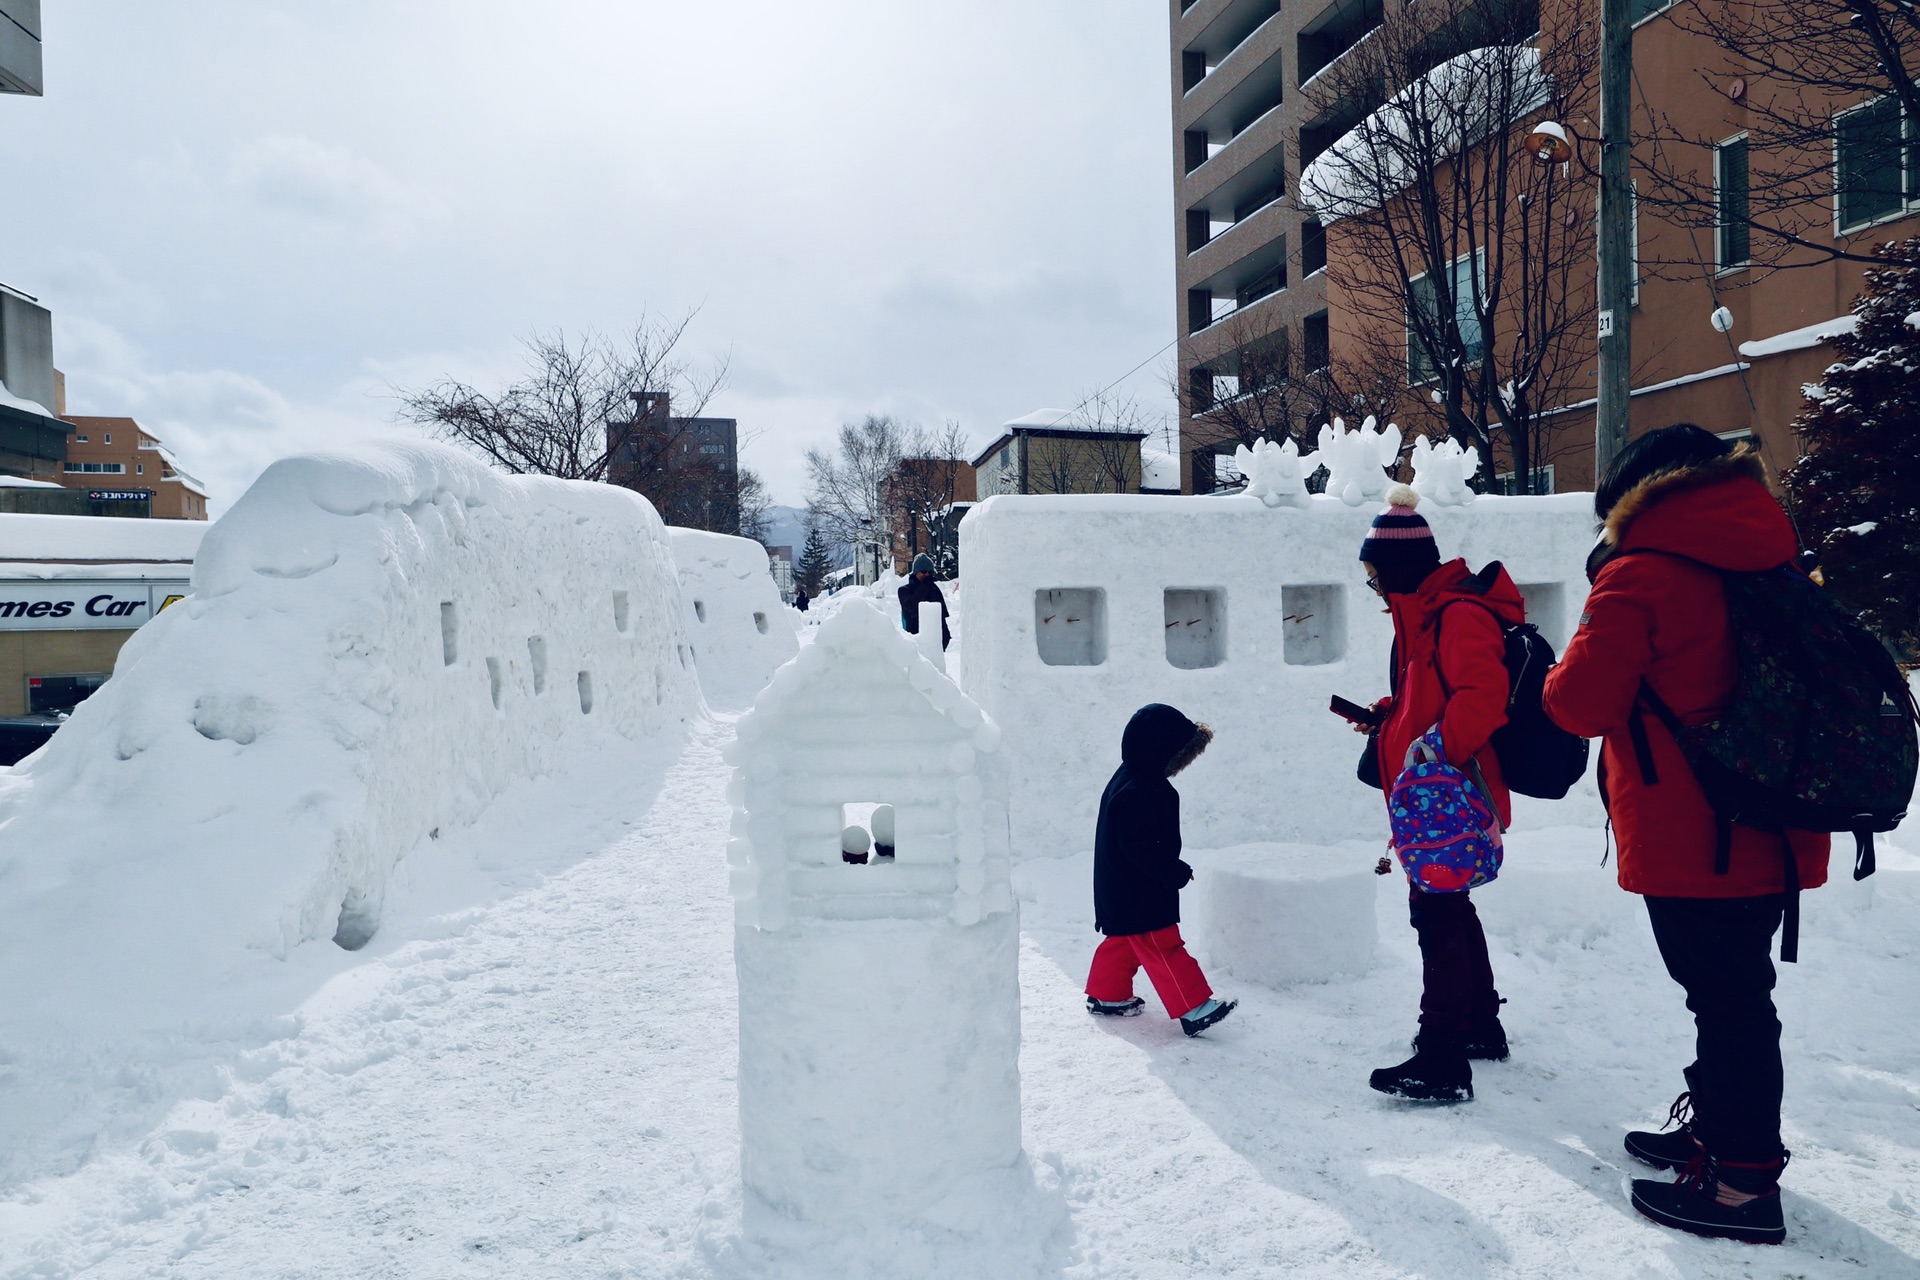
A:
(1138, 873)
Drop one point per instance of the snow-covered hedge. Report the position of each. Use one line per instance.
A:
(379, 642)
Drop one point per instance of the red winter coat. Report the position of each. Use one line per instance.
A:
(1664, 620)
(1460, 682)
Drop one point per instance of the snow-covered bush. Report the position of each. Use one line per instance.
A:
(739, 628)
(1857, 491)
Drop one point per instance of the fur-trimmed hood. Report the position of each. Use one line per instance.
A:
(1719, 512)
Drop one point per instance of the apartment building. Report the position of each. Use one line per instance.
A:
(127, 471)
(924, 500)
(1720, 337)
(1249, 260)
(689, 468)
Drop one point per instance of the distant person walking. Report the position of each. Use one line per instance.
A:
(1681, 507)
(1138, 874)
(1448, 671)
(919, 589)
(800, 599)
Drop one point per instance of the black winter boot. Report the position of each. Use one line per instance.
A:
(1487, 1042)
(1669, 1148)
(1719, 1198)
(1437, 1072)
(1117, 1008)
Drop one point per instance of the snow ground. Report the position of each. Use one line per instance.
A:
(543, 1085)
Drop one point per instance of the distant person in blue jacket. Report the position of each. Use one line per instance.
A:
(919, 589)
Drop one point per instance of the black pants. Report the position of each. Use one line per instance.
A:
(1721, 951)
(1458, 995)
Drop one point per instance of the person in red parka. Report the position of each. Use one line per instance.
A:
(1680, 506)
(1449, 669)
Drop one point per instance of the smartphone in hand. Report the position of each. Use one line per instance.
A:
(1365, 717)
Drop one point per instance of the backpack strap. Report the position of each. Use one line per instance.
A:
(1863, 865)
(1790, 918)
(1722, 825)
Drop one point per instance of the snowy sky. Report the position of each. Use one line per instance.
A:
(252, 217)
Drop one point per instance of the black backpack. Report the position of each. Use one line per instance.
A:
(1537, 757)
(1820, 732)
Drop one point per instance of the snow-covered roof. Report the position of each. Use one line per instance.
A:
(1159, 471)
(21, 482)
(1811, 335)
(94, 538)
(1457, 103)
(8, 400)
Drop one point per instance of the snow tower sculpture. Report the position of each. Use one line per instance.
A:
(879, 1003)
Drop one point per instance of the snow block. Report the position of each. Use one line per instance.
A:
(739, 628)
(879, 1002)
(1278, 913)
(1079, 610)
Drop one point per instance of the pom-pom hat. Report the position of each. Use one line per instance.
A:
(1400, 535)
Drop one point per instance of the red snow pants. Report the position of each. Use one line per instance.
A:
(1175, 975)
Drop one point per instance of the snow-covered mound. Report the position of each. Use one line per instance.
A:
(740, 629)
(379, 642)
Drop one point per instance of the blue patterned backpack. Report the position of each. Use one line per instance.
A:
(1446, 831)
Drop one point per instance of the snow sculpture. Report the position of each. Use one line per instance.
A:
(1358, 459)
(738, 629)
(1276, 473)
(879, 1003)
(1441, 471)
(1277, 914)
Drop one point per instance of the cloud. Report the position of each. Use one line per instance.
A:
(330, 187)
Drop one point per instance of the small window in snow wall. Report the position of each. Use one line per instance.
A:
(1313, 626)
(1196, 628)
(1547, 610)
(1070, 626)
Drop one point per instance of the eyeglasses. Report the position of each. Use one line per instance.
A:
(1373, 585)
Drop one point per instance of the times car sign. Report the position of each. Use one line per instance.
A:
(84, 604)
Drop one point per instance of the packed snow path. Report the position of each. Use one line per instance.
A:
(547, 1090)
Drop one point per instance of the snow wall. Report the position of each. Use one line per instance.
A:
(879, 1003)
(739, 628)
(1079, 610)
(378, 643)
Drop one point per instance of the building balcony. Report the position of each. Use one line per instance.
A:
(1246, 88)
(1217, 32)
(1244, 193)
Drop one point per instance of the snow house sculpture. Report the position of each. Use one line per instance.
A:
(879, 1002)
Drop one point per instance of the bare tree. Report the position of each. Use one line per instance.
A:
(918, 495)
(755, 502)
(573, 413)
(1256, 390)
(845, 498)
(1798, 66)
(1475, 255)
(1096, 448)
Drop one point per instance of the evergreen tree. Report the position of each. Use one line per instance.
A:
(815, 564)
(1856, 493)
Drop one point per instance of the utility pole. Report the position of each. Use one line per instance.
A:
(1616, 235)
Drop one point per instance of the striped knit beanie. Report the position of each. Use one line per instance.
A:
(1400, 536)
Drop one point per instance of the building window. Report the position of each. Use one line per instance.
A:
(108, 438)
(1313, 247)
(98, 468)
(1640, 10)
(1467, 274)
(1730, 202)
(1508, 482)
(1869, 181)
(139, 468)
(81, 439)
(1318, 342)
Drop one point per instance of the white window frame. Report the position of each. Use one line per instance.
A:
(1479, 257)
(1501, 479)
(1907, 205)
(1722, 267)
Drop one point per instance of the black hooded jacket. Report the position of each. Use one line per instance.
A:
(915, 592)
(1137, 871)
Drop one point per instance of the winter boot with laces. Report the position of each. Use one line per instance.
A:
(1724, 1199)
(1437, 1072)
(1669, 1148)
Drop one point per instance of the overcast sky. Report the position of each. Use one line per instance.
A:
(250, 218)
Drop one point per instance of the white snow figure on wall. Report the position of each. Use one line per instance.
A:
(879, 1003)
(1276, 473)
(1441, 471)
(1357, 460)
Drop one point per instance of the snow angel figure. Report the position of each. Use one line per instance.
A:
(1686, 514)
(1138, 873)
(1452, 679)
(919, 589)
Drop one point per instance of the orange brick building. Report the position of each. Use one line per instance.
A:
(118, 455)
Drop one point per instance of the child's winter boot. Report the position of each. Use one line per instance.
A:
(1438, 1071)
(1720, 1198)
(1198, 1020)
(1117, 1008)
